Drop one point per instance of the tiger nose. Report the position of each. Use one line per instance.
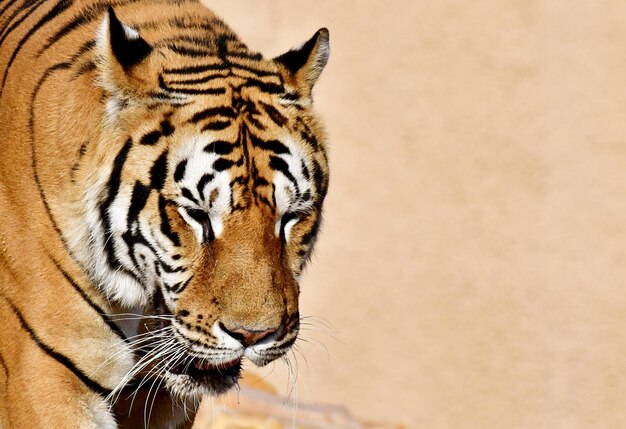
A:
(248, 337)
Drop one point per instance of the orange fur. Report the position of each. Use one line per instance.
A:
(88, 112)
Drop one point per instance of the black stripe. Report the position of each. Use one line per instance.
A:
(273, 113)
(212, 112)
(222, 164)
(170, 270)
(86, 47)
(138, 200)
(273, 194)
(158, 172)
(204, 220)
(132, 239)
(179, 172)
(31, 126)
(186, 23)
(244, 134)
(271, 145)
(219, 147)
(239, 207)
(188, 52)
(92, 304)
(195, 69)
(283, 221)
(8, 29)
(309, 238)
(310, 139)
(171, 288)
(239, 180)
(191, 91)
(257, 72)
(198, 41)
(151, 138)
(85, 68)
(245, 55)
(167, 129)
(162, 97)
(305, 170)
(5, 368)
(279, 164)
(265, 201)
(306, 134)
(187, 194)
(321, 182)
(115, 181)
(74, 24)
(184, 44)
(198, 80)
(255, 122)
(8, 4)
(291, 96)
(269, 88)
(58, 9)
(184, 285)
(204, 180)
(215, 126)
(155, 242)
(260, 181)
(165, 225)
(62, 359)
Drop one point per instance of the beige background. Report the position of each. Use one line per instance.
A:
(472, 262)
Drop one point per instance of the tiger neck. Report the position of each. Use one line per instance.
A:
(69, 157)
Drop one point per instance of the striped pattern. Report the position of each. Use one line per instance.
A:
(197, 135)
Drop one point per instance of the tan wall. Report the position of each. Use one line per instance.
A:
(473, 255)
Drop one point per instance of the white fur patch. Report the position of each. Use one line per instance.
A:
(101, 417)
(224, 339)
(118, 285)
(104, 56)
(288, 227)
(197, 228)
(199, 164)
(286, 194)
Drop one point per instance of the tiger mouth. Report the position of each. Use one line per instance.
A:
(202, 371)
(196, 373)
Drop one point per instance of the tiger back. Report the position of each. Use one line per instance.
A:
(161, 189)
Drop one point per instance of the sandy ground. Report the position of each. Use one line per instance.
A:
(472, 262)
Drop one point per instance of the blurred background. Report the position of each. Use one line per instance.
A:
(471, 271)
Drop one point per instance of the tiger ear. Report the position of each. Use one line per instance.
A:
(123, 57)
(305, 64)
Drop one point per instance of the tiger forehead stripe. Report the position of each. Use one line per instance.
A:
(195, 181)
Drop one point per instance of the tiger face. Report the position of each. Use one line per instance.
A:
(208, 210)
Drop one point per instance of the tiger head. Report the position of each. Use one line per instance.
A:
(208, 208)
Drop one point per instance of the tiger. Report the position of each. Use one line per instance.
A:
(161, 192)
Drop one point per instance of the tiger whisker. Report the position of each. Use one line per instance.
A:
(159, 372)
(139, 366)
(140, 316)
(156, 392)
(126, 351)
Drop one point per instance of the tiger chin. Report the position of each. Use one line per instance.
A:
(161, 190)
